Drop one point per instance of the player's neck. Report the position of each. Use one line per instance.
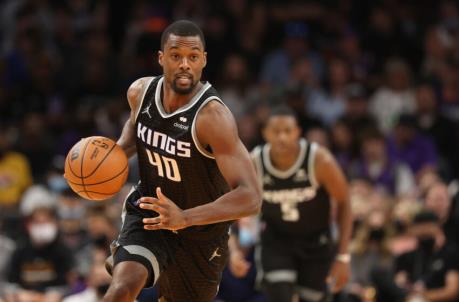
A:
(173, 100)
(285, 160)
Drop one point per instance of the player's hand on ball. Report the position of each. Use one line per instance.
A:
(171, 217)
(339, 276)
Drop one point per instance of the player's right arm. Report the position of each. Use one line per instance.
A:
(134, 97)
(329, 174)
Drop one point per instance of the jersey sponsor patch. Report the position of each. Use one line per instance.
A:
(300, 176)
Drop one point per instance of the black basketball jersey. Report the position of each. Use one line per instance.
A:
(293, 202)
(170, 156)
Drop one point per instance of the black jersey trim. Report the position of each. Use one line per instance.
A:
(198, 145)
(191, 103)
(143, 98)
(311, 164)
(292, 170)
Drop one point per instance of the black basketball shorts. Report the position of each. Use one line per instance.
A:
(305, 263)
(183, 269)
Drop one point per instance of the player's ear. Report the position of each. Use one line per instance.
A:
(204, 59)
(160, 57)
(264, 133)
(297, 131)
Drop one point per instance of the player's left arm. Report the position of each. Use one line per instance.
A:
(215, 127)
(331, 177)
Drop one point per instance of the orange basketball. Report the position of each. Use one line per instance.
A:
(96, 168)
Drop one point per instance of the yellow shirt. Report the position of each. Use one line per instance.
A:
(15, 177)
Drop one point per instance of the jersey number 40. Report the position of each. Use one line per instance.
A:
(167, 167)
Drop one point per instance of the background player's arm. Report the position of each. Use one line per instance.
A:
(134, 96)
(329, 174)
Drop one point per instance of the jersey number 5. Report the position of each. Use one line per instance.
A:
(163, 163)
(290, 211)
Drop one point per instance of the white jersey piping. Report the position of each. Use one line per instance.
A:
(190, 104)
(198, 145)
(292, 170)
(311, 164)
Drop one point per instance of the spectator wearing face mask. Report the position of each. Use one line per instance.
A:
(440, 202)
(41, 266)
(97, 279)
(370, 249)
(429, 273)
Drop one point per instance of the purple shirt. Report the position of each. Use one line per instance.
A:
(385, 181)
(417, 154)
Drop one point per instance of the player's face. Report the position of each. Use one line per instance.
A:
(182, 59)
(282, 132)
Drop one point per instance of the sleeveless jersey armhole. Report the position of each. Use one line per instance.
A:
(194, 135)
(256, 159)
(143, 98)
(311, 165)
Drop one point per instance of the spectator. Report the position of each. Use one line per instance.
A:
(370, 250)
(395, 97)
(356, 113)
(332, 106)
(438, 127)
(294, 96)
(343, 144)
(439, 202)
(276, 67)
(15, 175)
(98, 280)
(360, 63)
(7, 246)
(318, 134)
(235, 87)
(42, 264)
(375, 165)
(36, 142)
(409, 146)
(239, 278)
(429, 273)
(437, 44)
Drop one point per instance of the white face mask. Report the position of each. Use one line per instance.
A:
(43, 233)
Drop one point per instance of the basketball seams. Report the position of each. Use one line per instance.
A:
(87, 186)
(94, 192)
(81, 169)
(70, 165)
(104, 181)
(102, 160)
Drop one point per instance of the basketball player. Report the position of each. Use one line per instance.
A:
(195, 178)
(299, 179)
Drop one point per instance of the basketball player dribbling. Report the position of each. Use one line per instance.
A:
(195, 178)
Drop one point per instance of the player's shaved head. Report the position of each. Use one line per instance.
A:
(182, 28)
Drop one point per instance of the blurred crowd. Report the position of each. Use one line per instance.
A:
(377, 82)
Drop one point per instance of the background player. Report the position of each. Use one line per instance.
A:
(190, 161)
(299, 179)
